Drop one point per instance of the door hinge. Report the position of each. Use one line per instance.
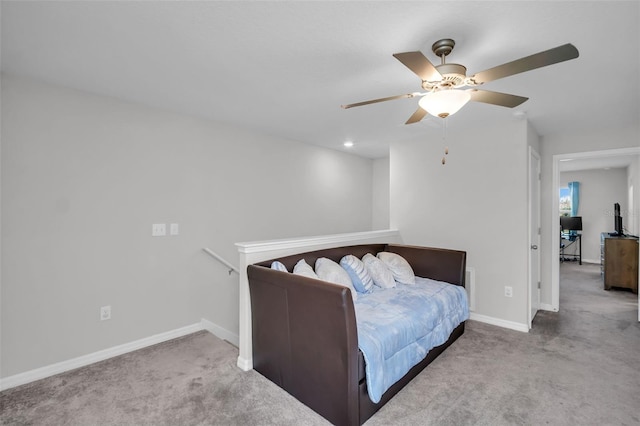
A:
(538, 284)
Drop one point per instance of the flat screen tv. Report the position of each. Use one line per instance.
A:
(617, 218)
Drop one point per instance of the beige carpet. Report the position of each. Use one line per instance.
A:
(580, 366)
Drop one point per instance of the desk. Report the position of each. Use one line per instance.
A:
(571, 240)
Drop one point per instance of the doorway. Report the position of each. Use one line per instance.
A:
(590, 160)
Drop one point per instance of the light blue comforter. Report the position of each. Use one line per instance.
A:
(398, 326)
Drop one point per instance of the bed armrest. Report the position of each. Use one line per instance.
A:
(435, 263)
(305, 340)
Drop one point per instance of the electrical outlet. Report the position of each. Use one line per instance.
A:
(174, 229)
(105, 313)
(508, 291)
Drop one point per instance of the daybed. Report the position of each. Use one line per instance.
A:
(305, 336)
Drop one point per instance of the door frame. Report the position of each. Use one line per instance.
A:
(555, 207)
(534, 238)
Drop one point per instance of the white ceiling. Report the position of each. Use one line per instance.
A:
(284, 68)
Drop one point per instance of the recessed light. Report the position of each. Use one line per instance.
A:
(348, 144)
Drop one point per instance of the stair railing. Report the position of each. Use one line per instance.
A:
(221, 260)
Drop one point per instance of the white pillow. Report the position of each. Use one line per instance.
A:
(303, 268)
(400, 268)
(359, 275)
(278, 266)
(328, 270)
(380, 273)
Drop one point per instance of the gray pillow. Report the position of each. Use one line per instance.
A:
(278, 266)
(380, 273)
(328, 270)
(399, 267)
(303, 268)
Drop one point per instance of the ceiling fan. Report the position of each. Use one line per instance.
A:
(443, 82)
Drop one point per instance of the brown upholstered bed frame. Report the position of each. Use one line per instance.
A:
(304, 330)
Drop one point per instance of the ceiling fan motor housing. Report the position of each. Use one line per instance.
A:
(453, 75)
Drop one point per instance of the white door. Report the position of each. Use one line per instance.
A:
(534, 234)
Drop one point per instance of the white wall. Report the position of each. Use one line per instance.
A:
(477, 202)
(599, 190)
(569, 143)
(83, 179)
(380, 200)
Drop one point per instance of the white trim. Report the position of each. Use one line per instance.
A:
(547, 307)
(304, 242)
(220, 332)
(245, 364)
(499, 322)
(84, 360)
(555, 235)
(533, 239)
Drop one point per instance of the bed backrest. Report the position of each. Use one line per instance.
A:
(435, 263)
(334, 254)
(428, 262)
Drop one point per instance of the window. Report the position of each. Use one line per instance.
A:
(565, 202)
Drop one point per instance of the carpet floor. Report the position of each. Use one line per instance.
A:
(579, 366)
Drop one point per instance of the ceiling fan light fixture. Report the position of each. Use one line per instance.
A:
(443, 103)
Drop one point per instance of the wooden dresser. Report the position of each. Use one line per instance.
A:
(619, 261)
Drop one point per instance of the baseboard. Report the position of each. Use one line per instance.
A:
(244, 364)
(547, 307)
(220, 332)
(82, 361)
(499, 322)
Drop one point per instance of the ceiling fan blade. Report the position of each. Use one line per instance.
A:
(374, 101)
(417, 116)
(496, 98)
(538, 60)
(420, 65)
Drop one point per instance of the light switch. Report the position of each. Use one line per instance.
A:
(174, 229)
(158, 230)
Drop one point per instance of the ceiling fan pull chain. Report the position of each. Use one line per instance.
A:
(444, 130)
(444, 139)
